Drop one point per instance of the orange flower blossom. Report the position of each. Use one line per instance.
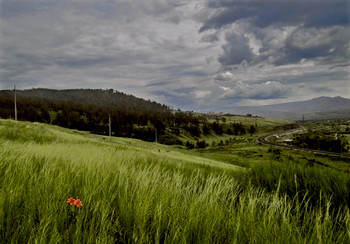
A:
(71, 201)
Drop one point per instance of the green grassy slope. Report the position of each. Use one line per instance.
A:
(262, 125)
(134, 191)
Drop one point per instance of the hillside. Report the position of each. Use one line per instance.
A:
(97, 97)
(89, 110)
(134, 191)
(321, 108)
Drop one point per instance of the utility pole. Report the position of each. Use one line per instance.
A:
(110, 125)
(14, 89)
(156, 137)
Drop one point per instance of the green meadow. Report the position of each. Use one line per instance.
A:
(139, 192)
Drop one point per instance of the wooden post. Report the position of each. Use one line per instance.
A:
(110, 125)
(156, 137)
(15, 103)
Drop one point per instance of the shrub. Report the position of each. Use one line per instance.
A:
(189, 145)
(202, 144)
(170, 140)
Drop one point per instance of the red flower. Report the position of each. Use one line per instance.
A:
(71, 201)
(78, 203)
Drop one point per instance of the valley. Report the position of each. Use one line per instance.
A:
(166, 176)
(163, 121)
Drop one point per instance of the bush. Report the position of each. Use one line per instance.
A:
(189, 145)
(170, 140)
(202, 144)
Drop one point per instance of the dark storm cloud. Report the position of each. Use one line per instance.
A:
(331, 44)
(281, 32)
(236, 50)
(266, 13)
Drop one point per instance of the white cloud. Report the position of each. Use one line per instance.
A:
(265, 90)
(202, 93)
(224, 76)
(224, 88)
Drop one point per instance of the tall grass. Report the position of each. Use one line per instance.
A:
(298, 179)
(134, 195)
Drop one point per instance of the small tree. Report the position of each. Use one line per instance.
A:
(252, 130)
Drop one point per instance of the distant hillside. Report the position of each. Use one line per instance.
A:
(89, 110)
(315, 109)
(96, 97)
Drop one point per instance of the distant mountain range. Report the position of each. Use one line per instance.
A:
(321, 108)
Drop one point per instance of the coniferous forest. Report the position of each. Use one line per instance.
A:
(89, 110)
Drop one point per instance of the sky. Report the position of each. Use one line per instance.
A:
(189, 54)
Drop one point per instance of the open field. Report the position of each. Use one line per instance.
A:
(134, 191)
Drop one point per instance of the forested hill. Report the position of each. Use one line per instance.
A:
(97, 97)
(89, 110)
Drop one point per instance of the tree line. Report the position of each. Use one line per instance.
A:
(89, 110)
(319, 141)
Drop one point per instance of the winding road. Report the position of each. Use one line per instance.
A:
(264, 140)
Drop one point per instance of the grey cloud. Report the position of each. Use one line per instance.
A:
(319, 77)
(181, 97)
(284, 32)
(13, 63)
(227, 76)
(328, 46)
(142, 47)
(75, 62)
(153, 48)
(60, 34)
(9, 9)
(266, 13)
(123, 10)
(211, 38)
(236, 50)
(331, 44)
(319, 89)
